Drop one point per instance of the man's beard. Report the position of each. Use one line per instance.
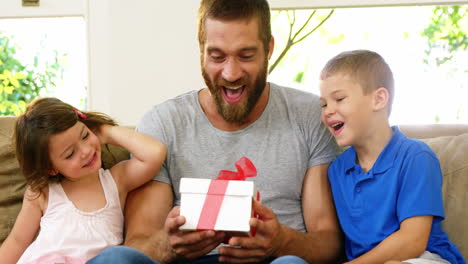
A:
(237, 113)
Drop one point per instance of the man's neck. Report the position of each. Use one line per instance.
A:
(209, 108)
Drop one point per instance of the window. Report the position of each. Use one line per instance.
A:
(52, 41)
(45, 49)
(425, 92)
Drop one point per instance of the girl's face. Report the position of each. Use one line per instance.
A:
(75, 153)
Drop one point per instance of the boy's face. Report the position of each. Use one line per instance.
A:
(346, 110)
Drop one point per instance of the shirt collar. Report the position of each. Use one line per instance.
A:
(386, 157)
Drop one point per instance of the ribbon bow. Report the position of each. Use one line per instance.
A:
(245, 169)
(217, 188)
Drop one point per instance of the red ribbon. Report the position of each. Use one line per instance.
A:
(217, 190)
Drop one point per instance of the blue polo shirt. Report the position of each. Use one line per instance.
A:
(405, 181)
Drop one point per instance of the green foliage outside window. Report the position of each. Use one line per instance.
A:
(21, 82)
(447, 43)
(446, 34)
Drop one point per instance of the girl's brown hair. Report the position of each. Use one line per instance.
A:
(43, 118)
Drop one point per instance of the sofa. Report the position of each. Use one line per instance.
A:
(449, 142)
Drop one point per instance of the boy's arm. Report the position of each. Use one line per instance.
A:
(24, 231)
(148, 156)
(410, 241)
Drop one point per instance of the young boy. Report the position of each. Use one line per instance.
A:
(387, 187)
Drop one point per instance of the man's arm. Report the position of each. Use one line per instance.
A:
(152, 226)
(146, 210)
(322, 243)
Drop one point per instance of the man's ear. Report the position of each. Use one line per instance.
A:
(381, 98)
(271, 47)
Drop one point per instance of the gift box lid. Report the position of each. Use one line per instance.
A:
(201, 186)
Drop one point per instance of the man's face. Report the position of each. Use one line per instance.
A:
(234, 66)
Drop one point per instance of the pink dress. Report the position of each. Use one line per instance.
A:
(70, 236)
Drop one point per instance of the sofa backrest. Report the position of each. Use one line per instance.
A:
(12, 183)
(452, 152)
(450, 143)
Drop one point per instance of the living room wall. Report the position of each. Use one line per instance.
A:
(141, 53)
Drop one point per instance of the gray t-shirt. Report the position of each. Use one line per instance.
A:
(287, 139)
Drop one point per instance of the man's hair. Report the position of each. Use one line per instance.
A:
(366, 67)
(229, 10)
(43, 118)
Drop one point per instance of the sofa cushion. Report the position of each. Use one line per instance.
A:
(452, 152)
(12, 183)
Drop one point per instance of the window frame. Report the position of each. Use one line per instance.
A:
(46, 8)
(316, 4)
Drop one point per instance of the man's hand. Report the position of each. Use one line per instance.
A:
(189, 244)
(266, 242)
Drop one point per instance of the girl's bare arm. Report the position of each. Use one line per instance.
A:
(25, 229)
(147, 158)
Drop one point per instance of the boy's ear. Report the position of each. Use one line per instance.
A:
(53, 172)
(381, 98)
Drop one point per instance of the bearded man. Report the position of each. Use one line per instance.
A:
(205, 131)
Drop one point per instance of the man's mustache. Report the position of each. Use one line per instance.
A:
(240, 82)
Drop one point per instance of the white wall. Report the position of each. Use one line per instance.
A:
(141, 52)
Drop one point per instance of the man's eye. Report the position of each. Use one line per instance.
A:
(216, 58)
(246, 57)
(340, 99)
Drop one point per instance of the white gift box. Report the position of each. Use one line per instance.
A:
(222, 205)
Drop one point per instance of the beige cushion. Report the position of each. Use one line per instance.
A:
(452, 152)
(12, 183)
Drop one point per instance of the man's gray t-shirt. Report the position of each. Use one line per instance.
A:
(287, 139)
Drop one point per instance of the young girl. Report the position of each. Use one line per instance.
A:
(77, 205)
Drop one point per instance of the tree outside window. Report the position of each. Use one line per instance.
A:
(427, 91)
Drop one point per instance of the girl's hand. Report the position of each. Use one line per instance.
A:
(102, 132)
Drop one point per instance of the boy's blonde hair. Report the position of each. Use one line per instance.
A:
(366, 67)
